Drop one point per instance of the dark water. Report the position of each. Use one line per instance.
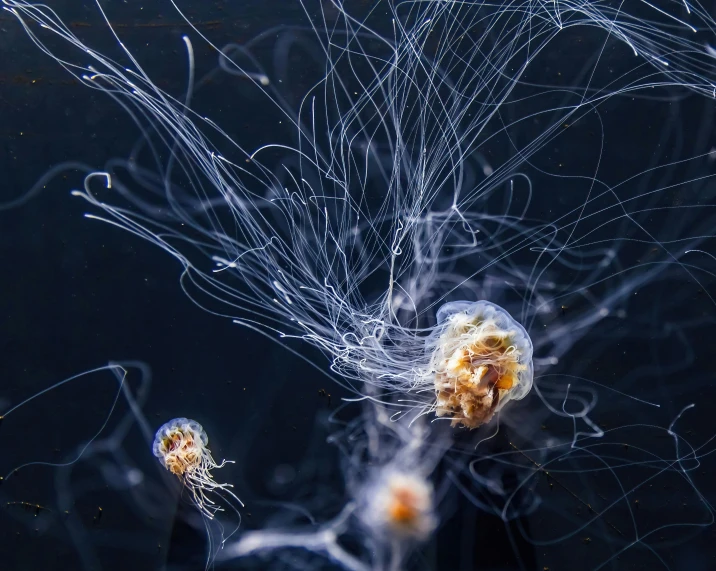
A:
(77, 294)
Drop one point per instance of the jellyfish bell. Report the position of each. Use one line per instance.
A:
(181, 445)
(481, 358)
(400, 505)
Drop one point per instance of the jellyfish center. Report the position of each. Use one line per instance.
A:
(477, 362)
(403, 508)
(181, 453)
(402, 505)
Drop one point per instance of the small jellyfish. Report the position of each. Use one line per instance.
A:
(400, 506)
(481, 359)
(181, 446)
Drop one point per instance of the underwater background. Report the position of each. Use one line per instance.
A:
(77, 294)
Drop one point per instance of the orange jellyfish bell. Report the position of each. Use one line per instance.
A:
(481, 358)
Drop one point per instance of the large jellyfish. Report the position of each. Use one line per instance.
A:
(462, 207)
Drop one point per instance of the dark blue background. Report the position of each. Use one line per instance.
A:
(77, 293)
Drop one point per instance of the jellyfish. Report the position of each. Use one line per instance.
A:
(401, 505)
(413, 219)
(181, 446)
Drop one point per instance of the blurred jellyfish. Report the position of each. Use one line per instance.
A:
(400, 505)
(394, 224)
(391, 507)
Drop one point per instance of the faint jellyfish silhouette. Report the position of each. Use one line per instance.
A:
(401, 505)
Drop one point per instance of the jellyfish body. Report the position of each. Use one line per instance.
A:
(181, 445)
(481, 359)
(401, 506)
